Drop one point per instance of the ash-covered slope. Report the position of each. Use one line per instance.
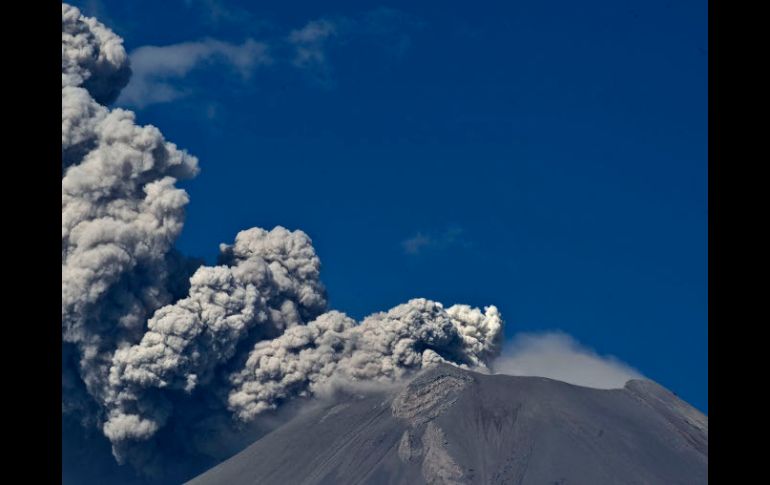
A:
(454, 426)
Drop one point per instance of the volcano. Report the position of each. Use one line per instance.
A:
(452, 426)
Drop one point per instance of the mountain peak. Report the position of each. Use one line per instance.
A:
(451, 425)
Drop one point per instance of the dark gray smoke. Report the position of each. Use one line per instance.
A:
(152, 346)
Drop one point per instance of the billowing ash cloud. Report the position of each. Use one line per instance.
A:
(269, 283)
(120, 209)
(384, 347)
(558, 356)
(92, 56)
(150, 336)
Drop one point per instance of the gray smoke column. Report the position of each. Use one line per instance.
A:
(384, 347)
(148, 338)
(270, 283)
(120, 210)
(92, 56)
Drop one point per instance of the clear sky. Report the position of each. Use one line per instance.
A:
(546, 157)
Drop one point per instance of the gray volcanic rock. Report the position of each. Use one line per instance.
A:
(451, 426)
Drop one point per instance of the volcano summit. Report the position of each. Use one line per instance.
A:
(453, 426)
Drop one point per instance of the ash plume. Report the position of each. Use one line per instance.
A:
(152, 338)
(120, 211)
(383, 347)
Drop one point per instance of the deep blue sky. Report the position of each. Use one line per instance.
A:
(547, 157)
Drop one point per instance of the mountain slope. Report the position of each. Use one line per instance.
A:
(454, 426)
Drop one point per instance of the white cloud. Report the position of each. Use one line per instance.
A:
(309, 41)
(216, 12)
(154, 67)
(416, 243)
(382, 29)
(558, 356)
(158, 70)
(422, 241)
